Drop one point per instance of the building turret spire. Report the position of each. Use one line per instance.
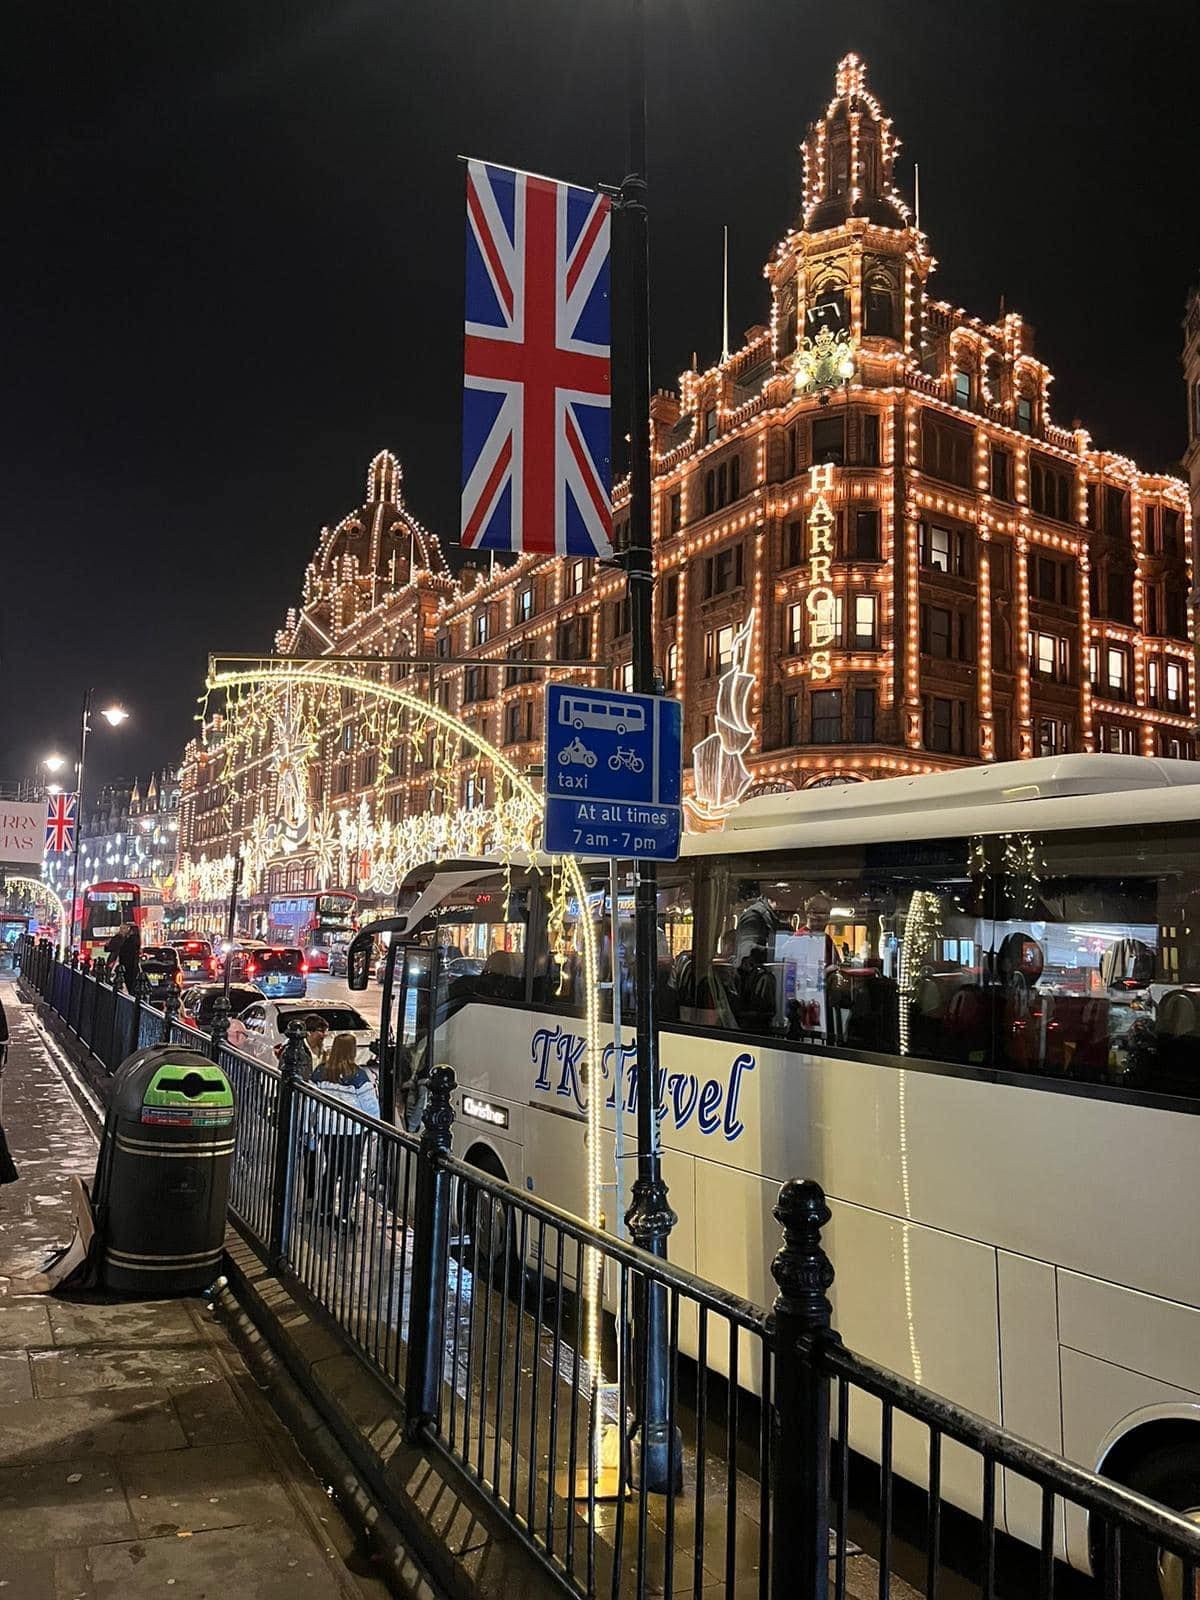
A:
(849, 157)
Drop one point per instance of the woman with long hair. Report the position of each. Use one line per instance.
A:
(340, 1079)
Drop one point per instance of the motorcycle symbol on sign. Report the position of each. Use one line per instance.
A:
(625, 758)
(577, 754)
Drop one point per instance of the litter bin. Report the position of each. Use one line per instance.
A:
(163, 1174)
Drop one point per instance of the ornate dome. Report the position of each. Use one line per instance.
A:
(849, 158)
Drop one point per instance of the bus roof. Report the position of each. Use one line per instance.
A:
(1050, 793)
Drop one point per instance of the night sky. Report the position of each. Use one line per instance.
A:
(232, 265)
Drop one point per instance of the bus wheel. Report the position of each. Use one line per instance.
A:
(1169, 1474)
(485, 1234)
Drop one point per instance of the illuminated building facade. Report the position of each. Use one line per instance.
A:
(1191, 380)
(867, 511)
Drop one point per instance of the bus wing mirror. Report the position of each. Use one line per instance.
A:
(358, 962)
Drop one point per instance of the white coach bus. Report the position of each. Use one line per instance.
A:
(969, 1006)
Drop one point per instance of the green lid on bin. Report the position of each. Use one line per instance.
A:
(188, 1085)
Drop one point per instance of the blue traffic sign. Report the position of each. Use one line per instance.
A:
(614, 773)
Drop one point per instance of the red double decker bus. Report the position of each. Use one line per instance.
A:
(106, 906)
(319, 925)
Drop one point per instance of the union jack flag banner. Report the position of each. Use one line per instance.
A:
(60, 822)
(537, 405)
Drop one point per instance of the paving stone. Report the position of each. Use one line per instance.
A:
(61, 1505)
(135, 1326)
(16, 1381)
(272, 1563)
(87, 1369)
(211, 1414)
(114, 1422)
(24, 1321)
(30, 1575)
(212, 1486)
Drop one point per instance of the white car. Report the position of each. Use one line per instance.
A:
(266, 1026)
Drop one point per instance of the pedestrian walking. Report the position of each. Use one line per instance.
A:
(8, 1168)
(341, 1079)
(125, 948)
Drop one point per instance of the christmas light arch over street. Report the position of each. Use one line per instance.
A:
(282, 674)
(37, 890)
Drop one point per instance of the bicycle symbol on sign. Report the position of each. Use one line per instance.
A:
(625, 758)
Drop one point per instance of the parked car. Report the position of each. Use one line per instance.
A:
(199, 999)
(196, 959)
(266, 1025)
(161, 968)
(276, 969)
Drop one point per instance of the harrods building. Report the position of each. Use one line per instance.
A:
(934, 571)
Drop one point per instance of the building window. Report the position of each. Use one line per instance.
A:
(826, 706)
(475, 685)
(473, 793)
(864, 622)
(1050, 656)
(1170, 531)
(828, 310)
(793, 544)
(946, 449)
(937, 632)
(1116, 510)
(670, 594)
(1050, 489)
(718, 652)
(479, 628)
(341, 778)
(710, 493)
(620, 617)
(1054, 737)
(962, 388)
(577, 578)
(829, 440)
(1118, 740)
(864, 535)
(791, 719)
(710, 424)
(792, 451)
(347, 737)
(525, 605)
(1054, 581)
(1176, 676)
(1117, 670)
(945, 725)
(864, 716)
(881, 317)
(518, 721)
(443, 645)
(1001, 474)
(625, 677)
(674, 511)
(620, 537)
(368, 769)
(515, 675)
(395, 807)
(1024, 413)
(573, 638)
(870, 439)
(830, 619)
(795, 628)
(1176, 610)
(671, 667)
(945, 550)
(723, 571)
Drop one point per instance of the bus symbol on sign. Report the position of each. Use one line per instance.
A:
(590, 711)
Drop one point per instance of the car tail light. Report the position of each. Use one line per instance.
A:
(251, 969)
(212, 966)
(179, 978)
(303, 967)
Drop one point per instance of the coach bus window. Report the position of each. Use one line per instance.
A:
(1096, 974)
(482, 933)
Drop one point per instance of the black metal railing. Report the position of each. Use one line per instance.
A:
(802, 1469)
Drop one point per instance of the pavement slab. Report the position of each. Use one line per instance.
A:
(137, 1458)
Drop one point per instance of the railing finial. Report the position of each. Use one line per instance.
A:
(438, 1122)
(801, 1268)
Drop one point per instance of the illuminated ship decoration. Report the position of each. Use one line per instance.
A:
(720, 775)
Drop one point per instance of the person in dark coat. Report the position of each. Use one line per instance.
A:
(8, 1170)
(129, 955)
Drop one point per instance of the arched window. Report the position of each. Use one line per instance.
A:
(828, 309)
(882, 307)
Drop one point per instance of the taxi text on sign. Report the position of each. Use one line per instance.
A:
(614, 774)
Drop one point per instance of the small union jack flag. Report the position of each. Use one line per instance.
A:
(537, 439)
(60, 822)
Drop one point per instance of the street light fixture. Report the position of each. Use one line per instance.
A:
(114, 715)
(54, 763)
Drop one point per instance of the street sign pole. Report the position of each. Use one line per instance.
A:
(650, 1217)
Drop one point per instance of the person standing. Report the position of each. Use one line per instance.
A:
(8, 1169)
(341, 1079)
